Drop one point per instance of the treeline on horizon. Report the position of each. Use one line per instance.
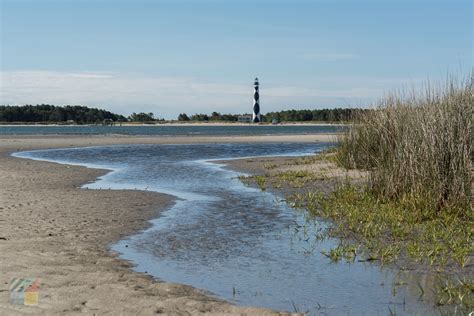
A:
(51, 113)
(46, 113)
(323, 115)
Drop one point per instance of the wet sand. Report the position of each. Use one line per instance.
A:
(52, 230)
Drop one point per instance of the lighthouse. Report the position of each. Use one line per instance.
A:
(256, 103)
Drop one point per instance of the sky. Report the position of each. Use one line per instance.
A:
(169, 57)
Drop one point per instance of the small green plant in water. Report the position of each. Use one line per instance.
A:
(460, 292)
(342, 251)
(261, 182)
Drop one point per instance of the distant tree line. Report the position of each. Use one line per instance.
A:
(85, 115)
(44, 113)
(215, 116)
(143, 117)
(52, 113)
(324, 115)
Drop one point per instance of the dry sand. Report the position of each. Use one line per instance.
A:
(52, 230)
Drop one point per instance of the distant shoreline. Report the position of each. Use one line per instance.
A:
(39, 124)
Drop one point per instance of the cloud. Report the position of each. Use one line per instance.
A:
(169, 96)
(328, 56)
(121, 93)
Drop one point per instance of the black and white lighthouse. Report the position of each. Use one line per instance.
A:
(256, 103)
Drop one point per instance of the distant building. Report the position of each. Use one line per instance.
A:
(246, 118)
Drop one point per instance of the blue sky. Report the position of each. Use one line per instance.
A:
(177, 56)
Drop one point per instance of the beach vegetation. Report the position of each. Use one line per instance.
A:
(414, 207)
(299, 178)
(416, 203)
(417, 148)
(261, 182)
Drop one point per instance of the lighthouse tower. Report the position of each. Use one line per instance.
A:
(256, 103)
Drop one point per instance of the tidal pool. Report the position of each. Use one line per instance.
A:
(237, 242)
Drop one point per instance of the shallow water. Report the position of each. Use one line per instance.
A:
(237, 242)
(163, 130)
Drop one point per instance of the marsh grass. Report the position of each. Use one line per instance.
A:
(417, 201)
(418, 151)
(415, 206)
(417, 148)
(299, 178)
(292, 178)
(387, 227)
(259, 180)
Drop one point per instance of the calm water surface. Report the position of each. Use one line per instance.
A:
(169, 130)
(237, 242)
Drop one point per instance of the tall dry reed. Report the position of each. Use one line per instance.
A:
(418, 148)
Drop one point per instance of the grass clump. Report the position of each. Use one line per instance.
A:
(295, 179)
(417, 148)
(259, 180)
(348, 252)
(299, 178)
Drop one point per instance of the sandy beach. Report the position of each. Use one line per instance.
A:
(52, 230)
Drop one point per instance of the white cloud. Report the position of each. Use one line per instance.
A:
(124, 94)
(168, 96)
